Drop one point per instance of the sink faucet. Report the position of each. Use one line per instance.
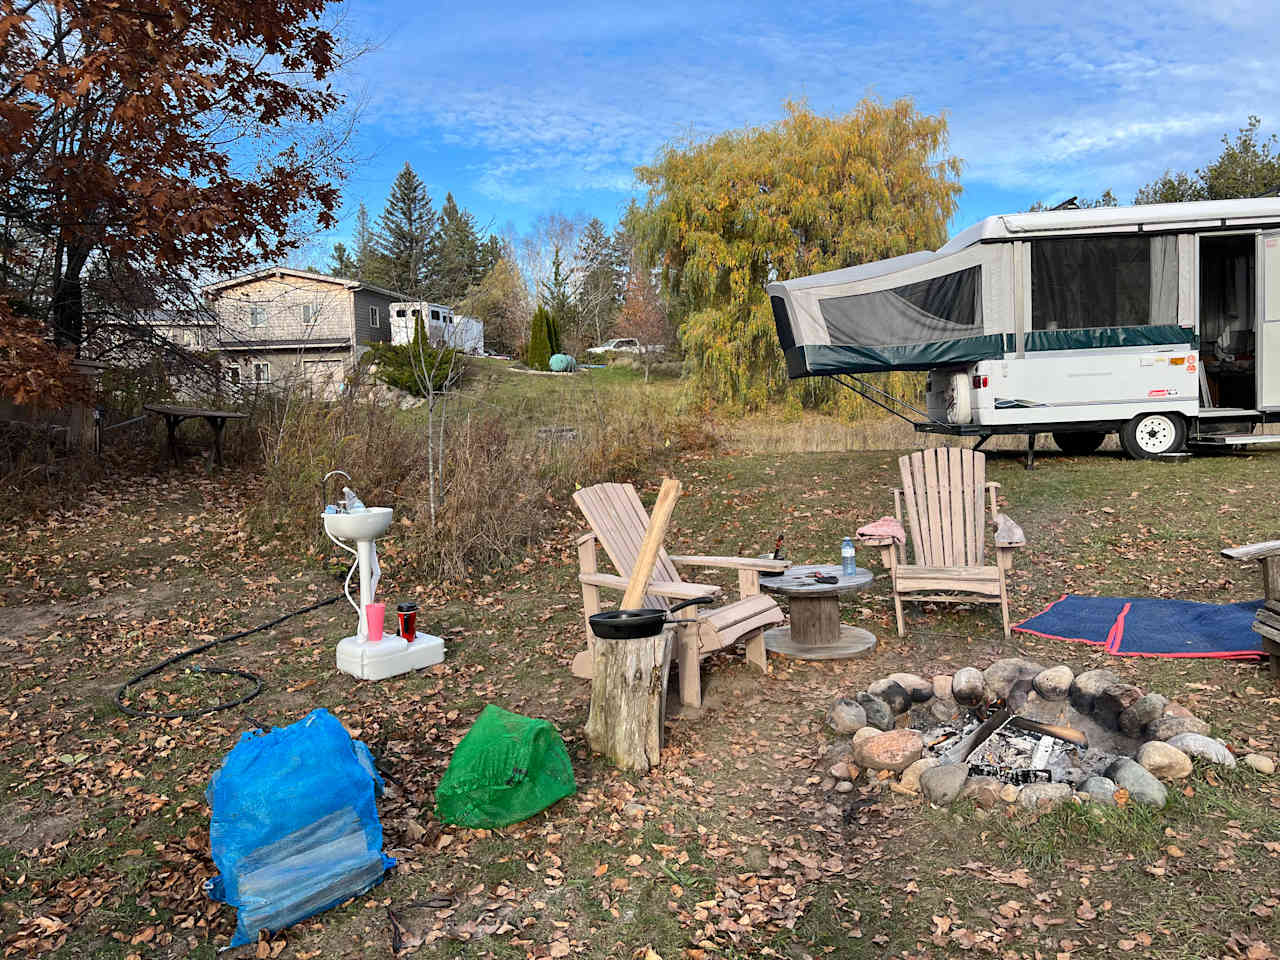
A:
(324, 486)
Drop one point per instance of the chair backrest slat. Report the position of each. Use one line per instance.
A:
(912, 477)
(618, 519)
(944, 489)
(933, 512)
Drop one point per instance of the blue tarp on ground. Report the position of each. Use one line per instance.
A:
(294, 828)
(1152, 627)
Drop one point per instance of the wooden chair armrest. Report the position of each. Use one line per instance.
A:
(585, 538)
(1253, 551)
(734, 563)
(658, 588)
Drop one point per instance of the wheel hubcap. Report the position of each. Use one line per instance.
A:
(1156, 434)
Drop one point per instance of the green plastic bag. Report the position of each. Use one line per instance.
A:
(506, 769)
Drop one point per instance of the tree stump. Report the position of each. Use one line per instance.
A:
(629, 699)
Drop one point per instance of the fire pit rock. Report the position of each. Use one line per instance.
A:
(1054, 683)
(895, 750)
(1000, 678)
(921, 729)
(1206, 748)
(846, 716)
(942, 784)
(1164, 761)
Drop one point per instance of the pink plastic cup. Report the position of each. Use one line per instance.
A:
(374, 614)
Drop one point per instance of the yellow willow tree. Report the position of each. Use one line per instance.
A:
(726, 216)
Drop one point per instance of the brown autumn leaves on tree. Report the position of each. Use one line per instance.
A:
(139, 141)
(644, 317)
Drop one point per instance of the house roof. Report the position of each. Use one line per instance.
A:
(268, 272)
(329, 343)
(1146, 218)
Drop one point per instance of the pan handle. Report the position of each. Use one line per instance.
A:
(687, 603)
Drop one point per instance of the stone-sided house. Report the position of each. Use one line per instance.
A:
(280, 325)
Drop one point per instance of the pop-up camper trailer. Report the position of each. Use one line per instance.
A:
(1160, 323)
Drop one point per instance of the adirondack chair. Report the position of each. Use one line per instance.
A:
(945, 492)
(618, 520)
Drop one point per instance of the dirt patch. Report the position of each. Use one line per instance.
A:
(26, 825)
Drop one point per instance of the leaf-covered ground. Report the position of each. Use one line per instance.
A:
(735, 847)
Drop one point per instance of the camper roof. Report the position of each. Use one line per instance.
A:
(1149, 218)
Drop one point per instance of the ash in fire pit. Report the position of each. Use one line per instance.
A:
(1020, 732)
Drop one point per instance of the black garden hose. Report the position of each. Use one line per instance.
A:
(257, 681)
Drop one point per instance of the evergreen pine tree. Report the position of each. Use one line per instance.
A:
(457, 260)
(553, 334)
(539, 357)
(601, 265)
(558, 297)
(342, 264)
(366, 256)
(404, 232)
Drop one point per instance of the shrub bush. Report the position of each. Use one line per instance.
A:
(393, 364)
(539, 355)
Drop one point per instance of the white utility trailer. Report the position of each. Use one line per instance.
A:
(1160, 323)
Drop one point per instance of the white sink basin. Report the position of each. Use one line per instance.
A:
(368, 524)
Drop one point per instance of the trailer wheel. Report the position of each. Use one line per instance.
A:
(1079, 443)
(1152, 435)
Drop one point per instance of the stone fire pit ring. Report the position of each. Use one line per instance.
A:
(916, 729)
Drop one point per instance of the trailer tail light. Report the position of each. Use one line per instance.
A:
(980, 381)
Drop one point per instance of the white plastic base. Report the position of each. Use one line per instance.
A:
(388, 657)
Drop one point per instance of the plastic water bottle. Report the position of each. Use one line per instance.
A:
(848, 563)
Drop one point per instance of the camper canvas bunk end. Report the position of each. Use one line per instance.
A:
(1160, 323)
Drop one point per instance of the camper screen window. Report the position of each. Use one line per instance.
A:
(940, 308)
(1083, 282)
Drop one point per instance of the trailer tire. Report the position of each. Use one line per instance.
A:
(1079, 443)
(1152, 435)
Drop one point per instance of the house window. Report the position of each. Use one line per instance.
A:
(435, 315)
(309, 313)
(448, 318)
(257, 316)
(233, 375)
(374, 318)
(262, 372)
(400, 313)
(417, 314)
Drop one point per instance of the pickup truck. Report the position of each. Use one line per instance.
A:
(624, 345)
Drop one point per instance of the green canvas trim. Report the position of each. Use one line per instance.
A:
(825, 359)
(1035, 341)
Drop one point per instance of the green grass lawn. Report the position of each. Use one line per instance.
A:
(736, 846)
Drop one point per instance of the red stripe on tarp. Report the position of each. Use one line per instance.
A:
(1116, 634)
(1223, 655)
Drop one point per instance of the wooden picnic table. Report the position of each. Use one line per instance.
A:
(816, 632)
(174, 415)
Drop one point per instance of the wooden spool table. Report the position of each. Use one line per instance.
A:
(816, 632)
(174, 415)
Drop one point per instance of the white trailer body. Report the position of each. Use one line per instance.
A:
(1160, 323)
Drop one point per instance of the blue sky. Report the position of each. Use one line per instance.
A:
(524, 109)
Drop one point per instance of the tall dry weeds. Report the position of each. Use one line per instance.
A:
(505, 481)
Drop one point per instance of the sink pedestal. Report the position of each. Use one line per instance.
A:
(388, 657)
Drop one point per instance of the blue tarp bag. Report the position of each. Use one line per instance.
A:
(294, 828)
